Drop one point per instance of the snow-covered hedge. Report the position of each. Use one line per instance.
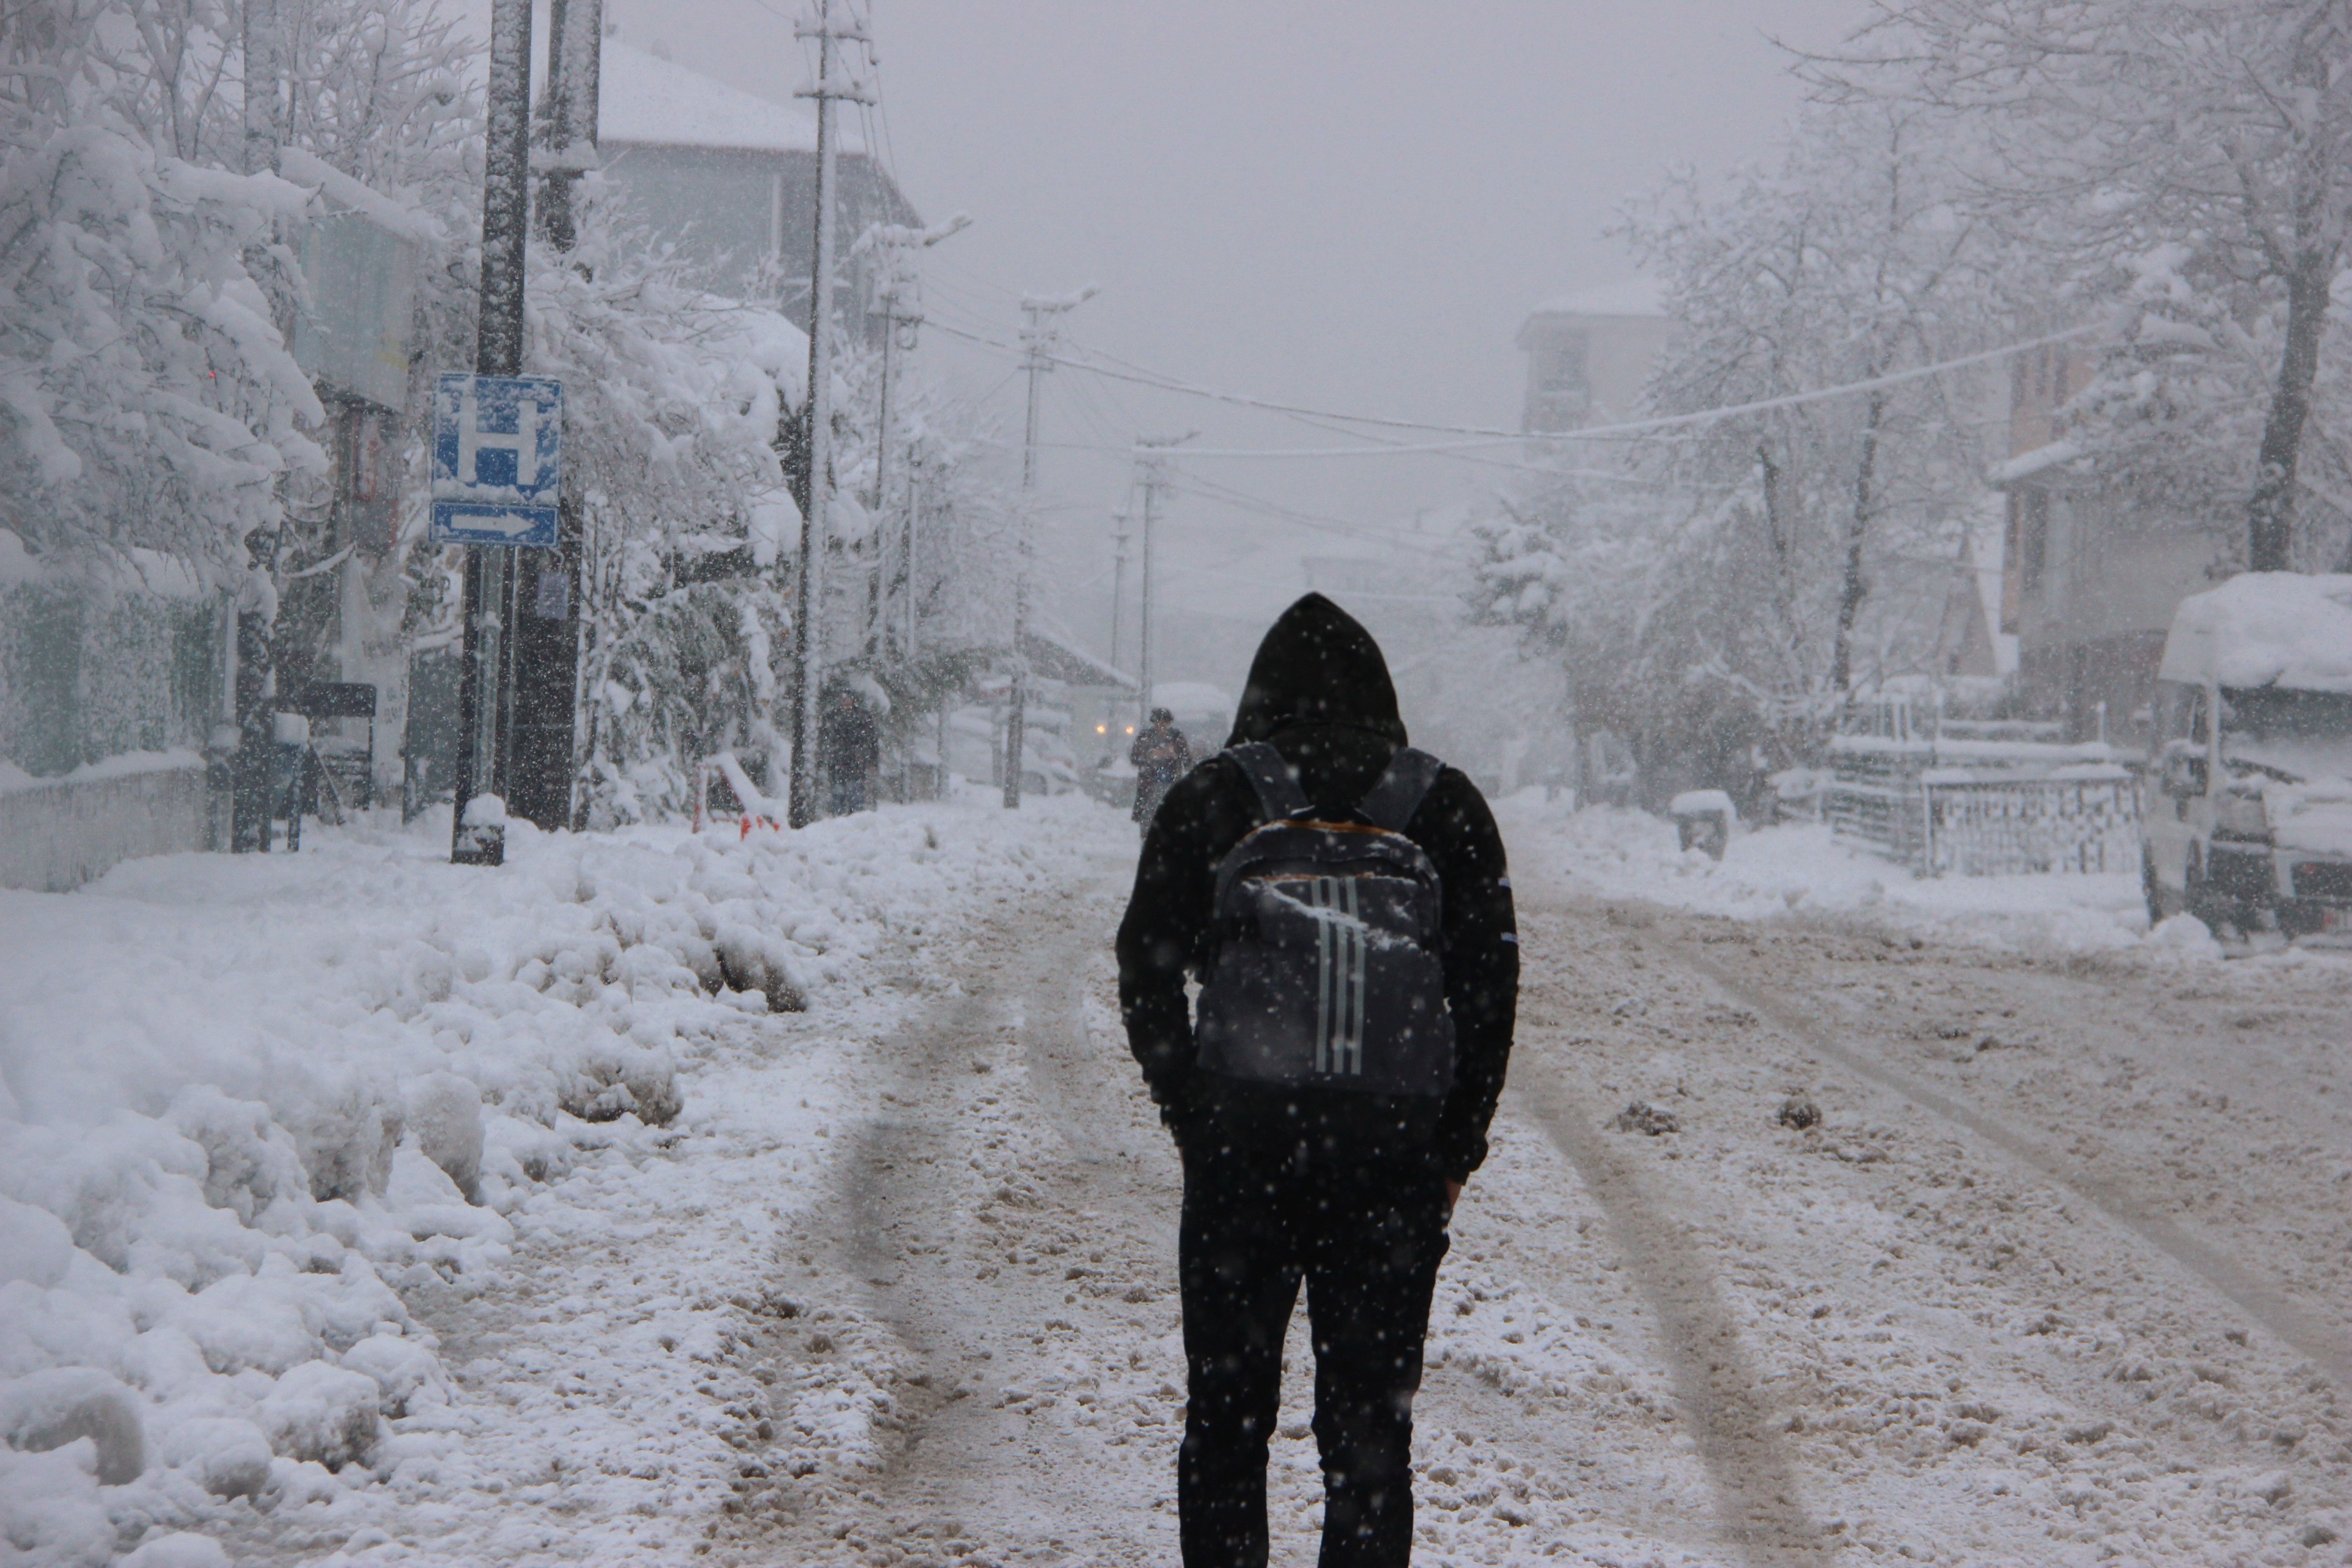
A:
(244, 1104)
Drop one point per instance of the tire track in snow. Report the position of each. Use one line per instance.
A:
(2238, 1283)
(997, 1185)
(1757, 1503)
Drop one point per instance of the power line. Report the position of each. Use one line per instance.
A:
(1590, 433)
(1243, 500)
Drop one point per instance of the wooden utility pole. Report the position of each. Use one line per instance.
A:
(246, 676)
(542, 765)
(830, 87)
(486, 682)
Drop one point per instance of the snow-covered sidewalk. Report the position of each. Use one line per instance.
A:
(1616, 852)
(355, 1204)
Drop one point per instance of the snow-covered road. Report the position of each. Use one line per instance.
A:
(2057, 1274)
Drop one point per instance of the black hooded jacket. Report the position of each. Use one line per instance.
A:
(1319, 691)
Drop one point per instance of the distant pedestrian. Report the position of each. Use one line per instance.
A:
(1343, 900)
(851, 746)
(1162, 755)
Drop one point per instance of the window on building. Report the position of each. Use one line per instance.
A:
(2034, 537)
(1564, 366)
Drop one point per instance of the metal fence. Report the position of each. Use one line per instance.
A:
(2031, 827)
(1887, 814)
(1983, 807)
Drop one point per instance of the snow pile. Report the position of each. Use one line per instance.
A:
(250, 1107)
(1616, 852)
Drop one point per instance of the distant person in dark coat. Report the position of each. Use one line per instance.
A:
(1162, 755)
(851, 745)
(1350, 1190)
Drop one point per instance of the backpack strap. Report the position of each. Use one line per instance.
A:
(1278, 794)
(1394, 799)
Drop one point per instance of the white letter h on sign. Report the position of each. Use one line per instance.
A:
(472, 439)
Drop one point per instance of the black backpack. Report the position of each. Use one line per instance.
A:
(1326, 971)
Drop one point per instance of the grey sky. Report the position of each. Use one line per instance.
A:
(1349, 206)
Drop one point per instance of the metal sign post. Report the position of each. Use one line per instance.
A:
(498, 446)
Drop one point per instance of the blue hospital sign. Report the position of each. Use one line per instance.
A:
(497, 445)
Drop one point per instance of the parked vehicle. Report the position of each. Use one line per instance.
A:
(2249, 824)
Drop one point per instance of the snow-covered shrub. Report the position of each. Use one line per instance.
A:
(227, 1457)
(325, 1414)
(76, 1403)
(443, 1116)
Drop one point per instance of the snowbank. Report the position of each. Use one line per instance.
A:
(247, 1105)
(1619, 853)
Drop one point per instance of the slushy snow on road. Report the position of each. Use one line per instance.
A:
(664, 1198)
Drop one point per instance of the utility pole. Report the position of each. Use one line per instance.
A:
(1044, 317)
(247, 679)
(1118, 538)
(546, 631)
(575, 48)
(899, 293)
(486, 679)
(1152, 469)
(817, 517)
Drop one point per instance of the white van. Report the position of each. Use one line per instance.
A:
(2248, 825)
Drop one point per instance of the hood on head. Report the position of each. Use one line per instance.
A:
(1318, 666)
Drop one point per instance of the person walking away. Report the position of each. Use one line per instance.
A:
(1161, 755)
(1343, 900)
(851, 745)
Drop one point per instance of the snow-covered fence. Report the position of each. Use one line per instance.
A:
(1875, 797)
(56, 834)
(2033, 827)
(1984, 807)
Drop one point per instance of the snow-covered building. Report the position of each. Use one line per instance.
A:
(729, 178)
(2090, 577)
(1590, 355)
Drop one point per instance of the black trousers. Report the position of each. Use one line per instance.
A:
(1365, 1229)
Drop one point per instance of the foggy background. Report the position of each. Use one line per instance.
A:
(1348, 206)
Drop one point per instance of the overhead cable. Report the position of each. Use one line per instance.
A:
(1589, 432)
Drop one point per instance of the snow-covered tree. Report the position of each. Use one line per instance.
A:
(1739, 576)
(1846, 265)
(676, 399)
(2191, 162)
(147, 399)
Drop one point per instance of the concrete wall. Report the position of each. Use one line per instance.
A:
(57, 833)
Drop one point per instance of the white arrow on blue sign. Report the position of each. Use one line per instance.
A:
(498, 445)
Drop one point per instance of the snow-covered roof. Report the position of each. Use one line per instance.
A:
(1635, 297)
(643, 99)
(2265, 628)
(1064, 659)
(2025, 465)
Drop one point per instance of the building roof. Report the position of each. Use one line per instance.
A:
(645, 99)
(1635, 297)
(1056, 655)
